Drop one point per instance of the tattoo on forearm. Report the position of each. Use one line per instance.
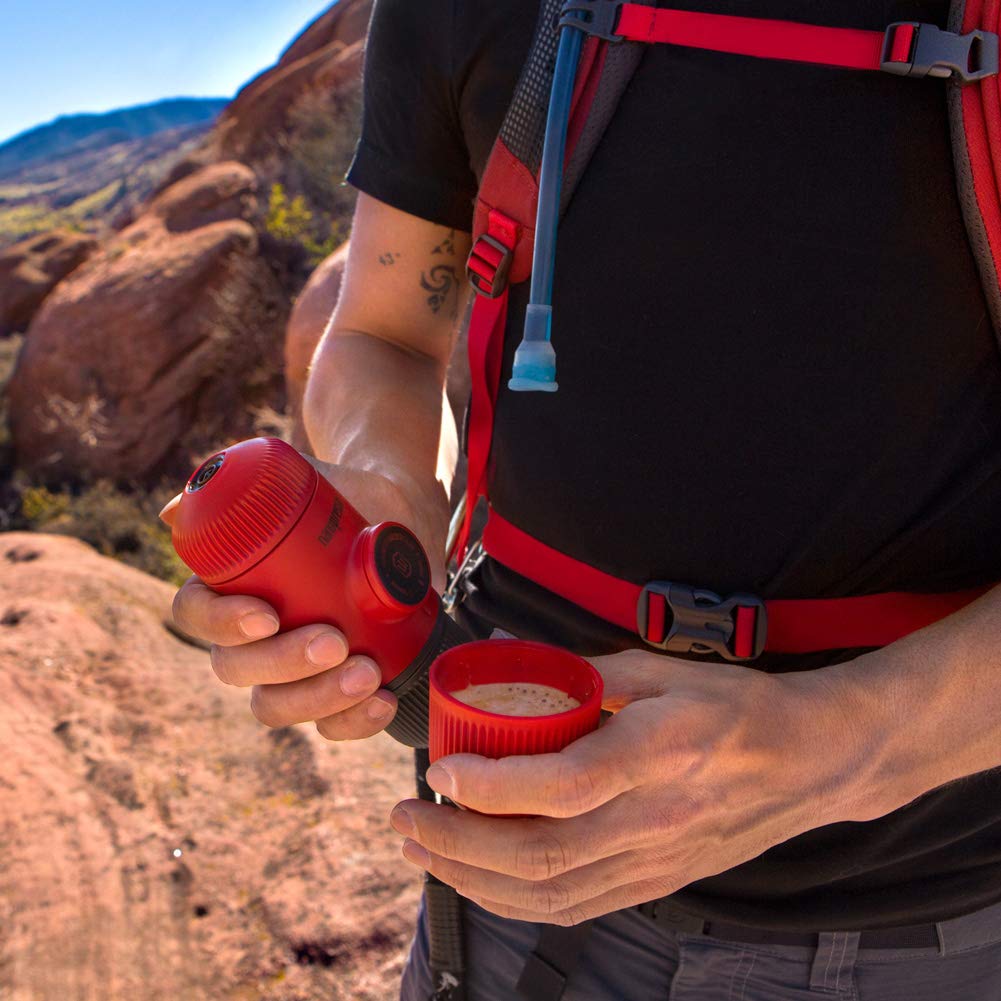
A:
(390, 257)
(447, 246)
(443, 286)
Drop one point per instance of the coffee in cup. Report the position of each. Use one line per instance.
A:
(517, 698)
(501, 697)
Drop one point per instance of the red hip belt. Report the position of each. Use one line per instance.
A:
(679, 618)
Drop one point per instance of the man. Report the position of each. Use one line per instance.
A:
(777, 375)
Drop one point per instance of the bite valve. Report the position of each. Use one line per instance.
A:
(258, 519)
(534, 367)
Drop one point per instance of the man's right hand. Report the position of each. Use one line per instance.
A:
(306, 674)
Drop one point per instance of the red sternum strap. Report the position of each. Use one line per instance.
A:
(752, 36)
(793, 626)
(906, 48)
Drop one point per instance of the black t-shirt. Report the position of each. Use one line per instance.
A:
(777, 373)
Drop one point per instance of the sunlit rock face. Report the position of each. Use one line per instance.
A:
(29, 271)
(152, 350)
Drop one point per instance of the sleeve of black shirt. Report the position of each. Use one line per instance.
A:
(411, 153)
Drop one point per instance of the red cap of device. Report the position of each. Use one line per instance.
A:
(455, 727)
(259, 491)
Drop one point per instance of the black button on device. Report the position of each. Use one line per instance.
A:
(401, 565)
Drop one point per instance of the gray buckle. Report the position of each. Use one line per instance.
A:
(700, 621)
(934, 52)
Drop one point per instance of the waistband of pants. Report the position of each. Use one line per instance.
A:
(982, 927)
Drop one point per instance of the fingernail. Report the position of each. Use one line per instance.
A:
(402, 822)
(359, 679)
(258, 625)
(414, 853)
(326, 650)
(440, 779)
(378, 709)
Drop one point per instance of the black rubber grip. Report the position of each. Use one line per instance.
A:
(410, 725)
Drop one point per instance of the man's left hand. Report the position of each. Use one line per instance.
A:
(703, 767)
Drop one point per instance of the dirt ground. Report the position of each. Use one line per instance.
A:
(160, 844)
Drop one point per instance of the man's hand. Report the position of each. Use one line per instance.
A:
(306, 674)
(705, 767)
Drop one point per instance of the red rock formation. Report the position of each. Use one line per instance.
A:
(29, 270)
(158, 347)
(327, 57)
(159, 844)
(345, 22)
(168, 341)
(215, 193)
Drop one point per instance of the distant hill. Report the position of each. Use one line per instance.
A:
(71, 134)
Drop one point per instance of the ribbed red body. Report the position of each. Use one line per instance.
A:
(456, 728)
(265, 523)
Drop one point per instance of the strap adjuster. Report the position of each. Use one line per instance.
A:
(488, 266)
(594, 17)
(682, 619)
(913, 49)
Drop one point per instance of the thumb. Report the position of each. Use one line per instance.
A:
(637, 674)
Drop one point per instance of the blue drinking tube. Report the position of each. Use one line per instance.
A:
(535, 359)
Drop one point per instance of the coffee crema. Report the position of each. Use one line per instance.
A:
(517, 698)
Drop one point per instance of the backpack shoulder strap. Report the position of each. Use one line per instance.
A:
(975, 123)
(510, 179)
(504, 219)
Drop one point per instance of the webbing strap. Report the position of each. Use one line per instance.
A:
(794, 625)
(762, 37)
(486, 348)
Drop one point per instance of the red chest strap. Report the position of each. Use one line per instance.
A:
(906, 48)
(682, 619)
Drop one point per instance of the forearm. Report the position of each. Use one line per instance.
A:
(374, 406)
(917, 714)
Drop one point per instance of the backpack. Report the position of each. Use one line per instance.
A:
(668, 615)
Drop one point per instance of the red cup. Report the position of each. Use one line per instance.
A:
(456, 728)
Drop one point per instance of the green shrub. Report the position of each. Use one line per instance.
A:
(39, 505)
(116, 522)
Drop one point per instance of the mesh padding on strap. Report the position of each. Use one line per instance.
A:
(621, 62)
(524, 126)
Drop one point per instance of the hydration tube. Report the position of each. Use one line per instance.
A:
(535, 359)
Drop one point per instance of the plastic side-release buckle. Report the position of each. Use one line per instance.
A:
(599, 18)
(682, 619)
(913, 49)
(488, 266)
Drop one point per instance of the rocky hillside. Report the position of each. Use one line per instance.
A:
(73, 133)
(89, 172)
(160, 844)
(94, 188)
(164, 338)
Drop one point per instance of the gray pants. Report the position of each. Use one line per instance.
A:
(628, 958)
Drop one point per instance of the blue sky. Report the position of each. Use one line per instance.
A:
(59, 56)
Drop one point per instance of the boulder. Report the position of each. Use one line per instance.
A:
(158, 348)
(213, 194)
(159, 843)
(29, 270)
